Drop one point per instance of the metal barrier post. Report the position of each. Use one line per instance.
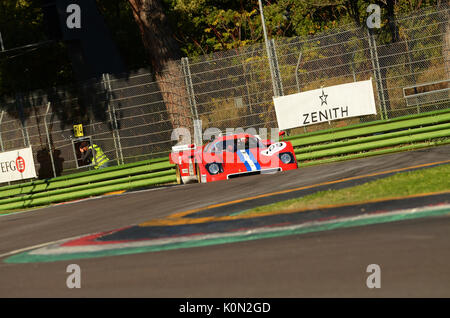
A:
(25, 136)
(353, 66)
(276, 68)
(297, 81)
(192, 101)
(48, 140)
(269, 55)
(116, 126)
(411, 70)
(376, 70)
(377, 61)
(1, 139)
(113, 124)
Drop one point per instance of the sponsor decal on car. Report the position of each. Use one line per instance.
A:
(247, 158)
(273, 149)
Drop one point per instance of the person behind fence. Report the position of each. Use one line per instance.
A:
(94, 154)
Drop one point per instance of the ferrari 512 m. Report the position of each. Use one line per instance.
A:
(231, 156)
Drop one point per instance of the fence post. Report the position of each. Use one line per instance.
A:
(105, 86)
(377, 73)
(113, 119)
(250, 107)
(116, 125)
(191, 97)
(353, 66)
(1, 139)
(276, 68)
(268, 50)
(377, 61)
(25, 136)
(50, 150)
(297, 81)
(2, 46)
(411, 70)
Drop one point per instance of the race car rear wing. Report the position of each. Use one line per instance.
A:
(182, 154)
(183, 147)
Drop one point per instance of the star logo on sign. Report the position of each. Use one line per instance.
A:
(323, 98)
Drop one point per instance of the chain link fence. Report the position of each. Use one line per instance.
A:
(132, 116)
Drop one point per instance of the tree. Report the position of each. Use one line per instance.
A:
(164, 55)
(29, 61)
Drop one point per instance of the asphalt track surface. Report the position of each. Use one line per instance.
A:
(413, 254)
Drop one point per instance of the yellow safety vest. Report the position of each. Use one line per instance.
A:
(99, 156)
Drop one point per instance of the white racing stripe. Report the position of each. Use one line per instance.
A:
(248, 160)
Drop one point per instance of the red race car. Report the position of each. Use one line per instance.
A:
(231, 156)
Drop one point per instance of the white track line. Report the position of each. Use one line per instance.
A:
(39, 246)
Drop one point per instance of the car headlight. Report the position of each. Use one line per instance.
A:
(213, 168)
(286, 158)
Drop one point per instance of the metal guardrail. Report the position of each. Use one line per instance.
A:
(74, 188)
(84, 178)
(92, 191)
(387, 141)
(371, 128)
(365, 154)
(367, 139)
(426, 93)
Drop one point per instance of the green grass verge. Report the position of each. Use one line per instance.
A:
(428, 180)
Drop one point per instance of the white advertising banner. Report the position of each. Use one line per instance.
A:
(17, 165)
(325, 104)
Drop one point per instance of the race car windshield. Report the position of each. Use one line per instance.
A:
(233, 145)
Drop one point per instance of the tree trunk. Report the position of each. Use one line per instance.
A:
(353, 8)
(392, 20)
(164, 54)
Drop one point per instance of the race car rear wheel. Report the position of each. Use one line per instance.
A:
(178, 173)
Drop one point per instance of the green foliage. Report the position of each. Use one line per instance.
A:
(21, 23)
(205, 26)
(200, 26)
(124, 31)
